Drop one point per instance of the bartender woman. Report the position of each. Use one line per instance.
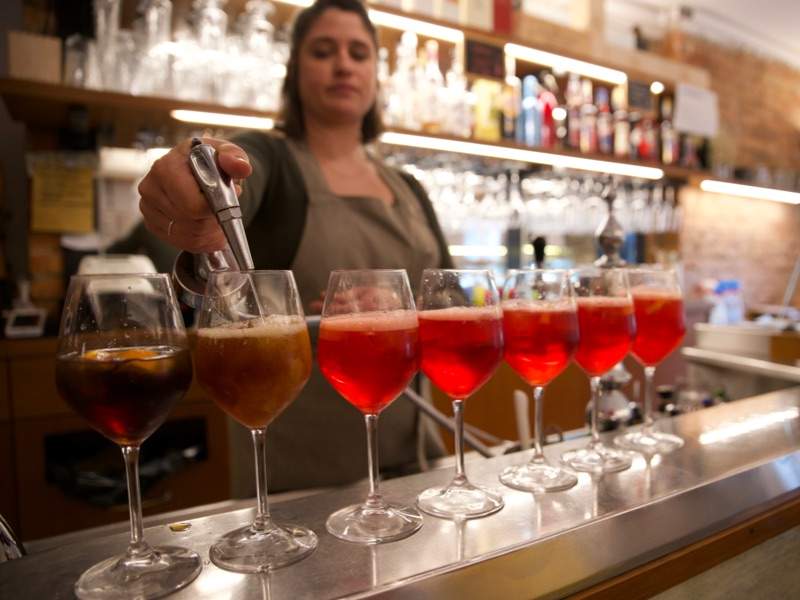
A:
(315, 200)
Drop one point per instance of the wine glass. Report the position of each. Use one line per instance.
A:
(368, 352)
(606, 326)
(122, 363)
(540, 327)
(660, 328)
(461, 344)
(253, 356)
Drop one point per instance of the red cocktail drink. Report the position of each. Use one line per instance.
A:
(540, 339)
(607, 329)
(460, 347)
(369, 357)
(660, 325)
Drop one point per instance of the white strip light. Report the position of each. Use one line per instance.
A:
(749, 191)
(563, 64)
(475, 250)
(518, 154)
(393, 21)
(222, 119)
(423, 28)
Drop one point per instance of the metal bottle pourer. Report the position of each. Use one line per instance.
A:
(610, 235)
(192, 270)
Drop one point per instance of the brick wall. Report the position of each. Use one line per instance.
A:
(759, 103)
(755, 241)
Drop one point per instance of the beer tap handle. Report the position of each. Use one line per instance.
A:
(220, 193)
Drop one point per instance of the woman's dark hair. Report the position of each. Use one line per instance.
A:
(291, 116)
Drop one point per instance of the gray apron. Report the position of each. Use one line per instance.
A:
(320, 439)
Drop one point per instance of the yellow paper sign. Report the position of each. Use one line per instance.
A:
(62, 199)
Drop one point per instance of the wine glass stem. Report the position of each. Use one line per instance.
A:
(649, 374)
(538, 452)
(458, 416)
(594, 383)
(262, 508)
(374, 500)
(137, 545)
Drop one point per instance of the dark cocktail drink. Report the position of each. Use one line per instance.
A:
(540, 338)
(124, 393)
(460, 347)
(254, 369)
(660, 325)
(369, 358)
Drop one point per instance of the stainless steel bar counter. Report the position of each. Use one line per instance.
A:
(739, 460)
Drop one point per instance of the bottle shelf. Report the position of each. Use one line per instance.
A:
(46, 106)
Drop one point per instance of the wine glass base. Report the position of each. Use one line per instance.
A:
(152, 575)
(597, 458)
(249, 550)
(459, 501)
(362, 524)
(537, 477)
(654, 442)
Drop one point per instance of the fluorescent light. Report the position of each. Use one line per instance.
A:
(656, 88)
(748, 425)
(222, 119)
(565, 65)
(477, 250)
(749, 191)
(393, 21)
(521, 155)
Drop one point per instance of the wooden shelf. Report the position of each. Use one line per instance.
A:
(46, 106)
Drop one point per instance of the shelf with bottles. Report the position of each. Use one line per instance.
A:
(122, 118)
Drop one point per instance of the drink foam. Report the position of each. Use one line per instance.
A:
(271, 326)
(462, 313)
(388, 320)
(537, 306)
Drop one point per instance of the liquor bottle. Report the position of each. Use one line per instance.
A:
(605, 123)
(402, 103)
(547, 102)
(636, 135)
(432, 89)
(531, 114)
(457, 119)
(622, 126)
(574, 100)
(486, 111)
(511, 100)
(670, 147)
(648, 144)
(588, 128)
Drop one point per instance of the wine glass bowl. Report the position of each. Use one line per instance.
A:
(368, 351)
(540, 328)
(253, 356)
(660, 327)
(122, 363)
(461, 345)
(606, 328)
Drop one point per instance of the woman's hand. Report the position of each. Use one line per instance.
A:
(174, 208)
